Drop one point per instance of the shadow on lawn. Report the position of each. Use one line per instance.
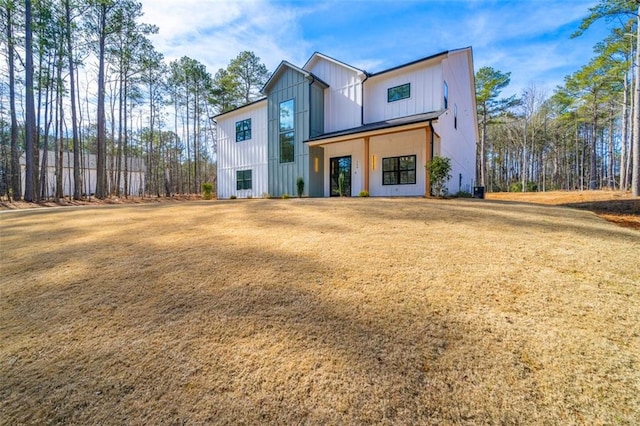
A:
(176, 321)
(482, 214)
(205, 339)
(631, 207)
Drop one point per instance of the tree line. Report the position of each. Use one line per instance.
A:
(585, 135)
(82, 78)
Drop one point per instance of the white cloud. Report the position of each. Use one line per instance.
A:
(527, 38)
(214, 32)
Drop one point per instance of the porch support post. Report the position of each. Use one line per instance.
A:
(366, 164)
(427, 183)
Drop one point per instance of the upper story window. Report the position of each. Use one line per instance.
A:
(287, 131)
(399, 170)
(399, 92)
(243, 130)
(455, 116)
(445, 91)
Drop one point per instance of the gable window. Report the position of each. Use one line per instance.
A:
(243, 179)
(445, 91)
(243, 130)
(399, 170)
(399, 92)
(287, 131)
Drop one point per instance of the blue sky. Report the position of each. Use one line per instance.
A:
(529, 38)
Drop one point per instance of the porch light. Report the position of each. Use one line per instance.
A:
(373, 162)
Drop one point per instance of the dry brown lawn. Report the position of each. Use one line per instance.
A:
(615, 206)
(324, 311)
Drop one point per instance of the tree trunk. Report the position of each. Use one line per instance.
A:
(483, 148)
(611, 179)
(59, 132)
(635, 180)
(101, 182)
(16, 175)
(30, 126)
(625, 133)
(121, 99)
(45, 149)
(77, 179)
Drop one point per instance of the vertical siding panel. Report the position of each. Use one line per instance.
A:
(234, 156)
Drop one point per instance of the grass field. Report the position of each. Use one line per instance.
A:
(341, 311)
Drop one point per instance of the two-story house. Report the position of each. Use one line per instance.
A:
(377, 130)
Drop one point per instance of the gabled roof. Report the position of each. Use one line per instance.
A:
(408, 64)
(379, 125)
(317, 55)
(282, 67)
(264, 98)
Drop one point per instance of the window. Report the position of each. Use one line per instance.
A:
(455, 116)
(287, 131)
(243, 179)
(243, 130)
(286, 147)
(445, 91)
(399, 92)
(399, 170)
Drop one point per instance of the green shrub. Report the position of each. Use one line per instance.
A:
(363, 194)
(285, 196)
(300, 186)
(439, 169)
(207, 191)
(233, 197)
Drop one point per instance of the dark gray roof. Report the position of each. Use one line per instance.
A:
(278, 71)
(240, 107)
(386, 124)
(408, 64)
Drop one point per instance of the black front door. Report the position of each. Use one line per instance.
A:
(340, 166)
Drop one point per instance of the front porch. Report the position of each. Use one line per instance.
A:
(384, 161)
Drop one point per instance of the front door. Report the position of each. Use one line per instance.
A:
(340, 166)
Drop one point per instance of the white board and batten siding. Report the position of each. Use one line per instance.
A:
(343, 97)
(412, 142)
(458, 140)
(425, 79)
(249, 154)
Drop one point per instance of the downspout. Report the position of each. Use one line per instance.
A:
(366, 77)
(431, 128)
(313, 80)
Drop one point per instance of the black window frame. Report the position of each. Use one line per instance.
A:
(397, 172)
(445, 94)
(243, 132)
(287, 147)
(287, 135)
(400, 92)
(242, 179)
(455, 116)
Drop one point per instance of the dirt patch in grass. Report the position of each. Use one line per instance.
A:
(349, 311)
(617, 207)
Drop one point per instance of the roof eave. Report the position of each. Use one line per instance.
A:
(375, 128)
